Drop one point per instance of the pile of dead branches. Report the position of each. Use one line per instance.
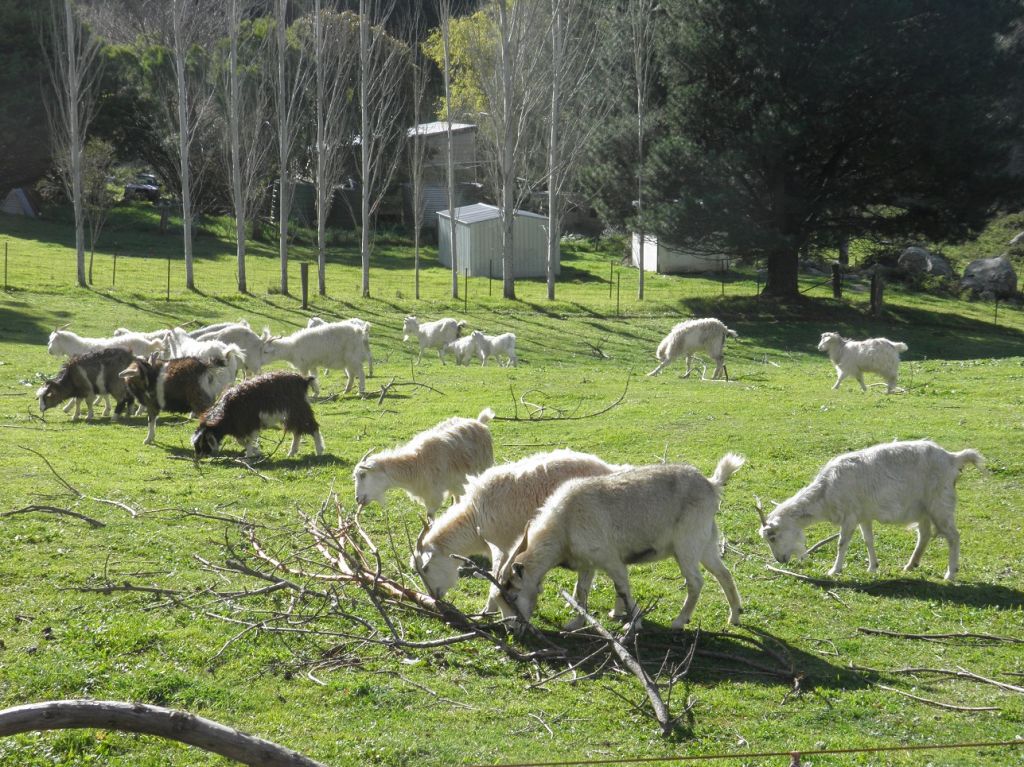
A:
(338, 598)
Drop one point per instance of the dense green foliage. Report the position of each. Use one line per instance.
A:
(468, 703)
(789, 125)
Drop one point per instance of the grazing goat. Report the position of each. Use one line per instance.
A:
(905, 483)
(66, 343)
(642, 514)
(86, 376)
(259, 403)
(492, 515)
(243, 338)
(854, 358)
(691, 336)
(463, 349)
(433, 335)
(433, 463)
(207, 329)
(186, 385)
(342, 345)
(492, 346)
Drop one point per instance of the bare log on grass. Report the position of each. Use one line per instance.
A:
(151, 720)
(942, 637)
(78, 493)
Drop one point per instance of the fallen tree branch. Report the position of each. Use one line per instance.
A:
(529, 417)
(939, 704)
(53, 510)
(940, 637)
(657, 704)
(75, 491)
(181, 726)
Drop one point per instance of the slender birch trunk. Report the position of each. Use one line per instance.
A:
(446, 18)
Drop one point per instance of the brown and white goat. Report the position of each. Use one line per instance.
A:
(258, 403)
(85, 376)
(186, 385)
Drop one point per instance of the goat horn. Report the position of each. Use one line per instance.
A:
(365, 455)
(422, 535)
(760, 510)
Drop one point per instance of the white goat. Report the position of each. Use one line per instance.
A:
(433, 335)
(691, 336)
(463, 349)
(343, 345)
(211, 351)
(432, 464)
(317, 321)
(492, 346)
(493, 513)
(854, 358)
(206, 329)
(241, 336)
(638, 515)
(66, 343)
(906, 483)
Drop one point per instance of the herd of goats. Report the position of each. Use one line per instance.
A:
(555, 509)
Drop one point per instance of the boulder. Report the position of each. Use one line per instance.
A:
(990, 276)
(916, 260)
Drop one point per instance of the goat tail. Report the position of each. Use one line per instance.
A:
(732, 333)
(899, 346)
(968, 456)
(727, 466)
(485, 415)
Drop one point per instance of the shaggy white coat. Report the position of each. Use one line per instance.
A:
(493, 346)
(66, 343)
(854, 358)
(431, 465)
(642, 514)
(462, 349)
(902, 483)
(492, 515)
(432, 335)
(338, 345)
(241, 336)
(689, 337)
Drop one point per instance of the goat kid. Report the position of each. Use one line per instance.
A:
(641, 514)
(433, 335)
(854, 358)
(264, 401)
(904, 483)
(493, 346)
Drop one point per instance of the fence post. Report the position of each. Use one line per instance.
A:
(490, 275)
(168, 276)
(618, 291)
(465, 290)
(113, 278)
(995, 321)
(304, 276)
(5, 264)
(611, 267)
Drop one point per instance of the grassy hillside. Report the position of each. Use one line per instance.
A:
(799, 674)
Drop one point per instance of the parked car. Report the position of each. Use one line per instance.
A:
(144, 186)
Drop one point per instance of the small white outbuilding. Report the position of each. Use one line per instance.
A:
(478, 241)
(663, 258)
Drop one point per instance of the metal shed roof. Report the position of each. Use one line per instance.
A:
(469, 214)
(431, 129)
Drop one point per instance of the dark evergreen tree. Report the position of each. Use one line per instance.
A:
(790, 124)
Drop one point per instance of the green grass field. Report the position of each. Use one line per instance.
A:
(348, 703)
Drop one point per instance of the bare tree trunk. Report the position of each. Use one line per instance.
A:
(641, 21)
(151, 720)
(364, 109)
(420, 78)
(73, 67)
(235, 139)
(284, 203)
(324, 189)
(180, 51)
(446, 20)
(555, 116)
(508, 180)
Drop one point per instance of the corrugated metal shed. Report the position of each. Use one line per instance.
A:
(478, 241)
(667, 259)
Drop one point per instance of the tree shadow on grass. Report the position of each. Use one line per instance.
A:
(799, 325)
(21, 323)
